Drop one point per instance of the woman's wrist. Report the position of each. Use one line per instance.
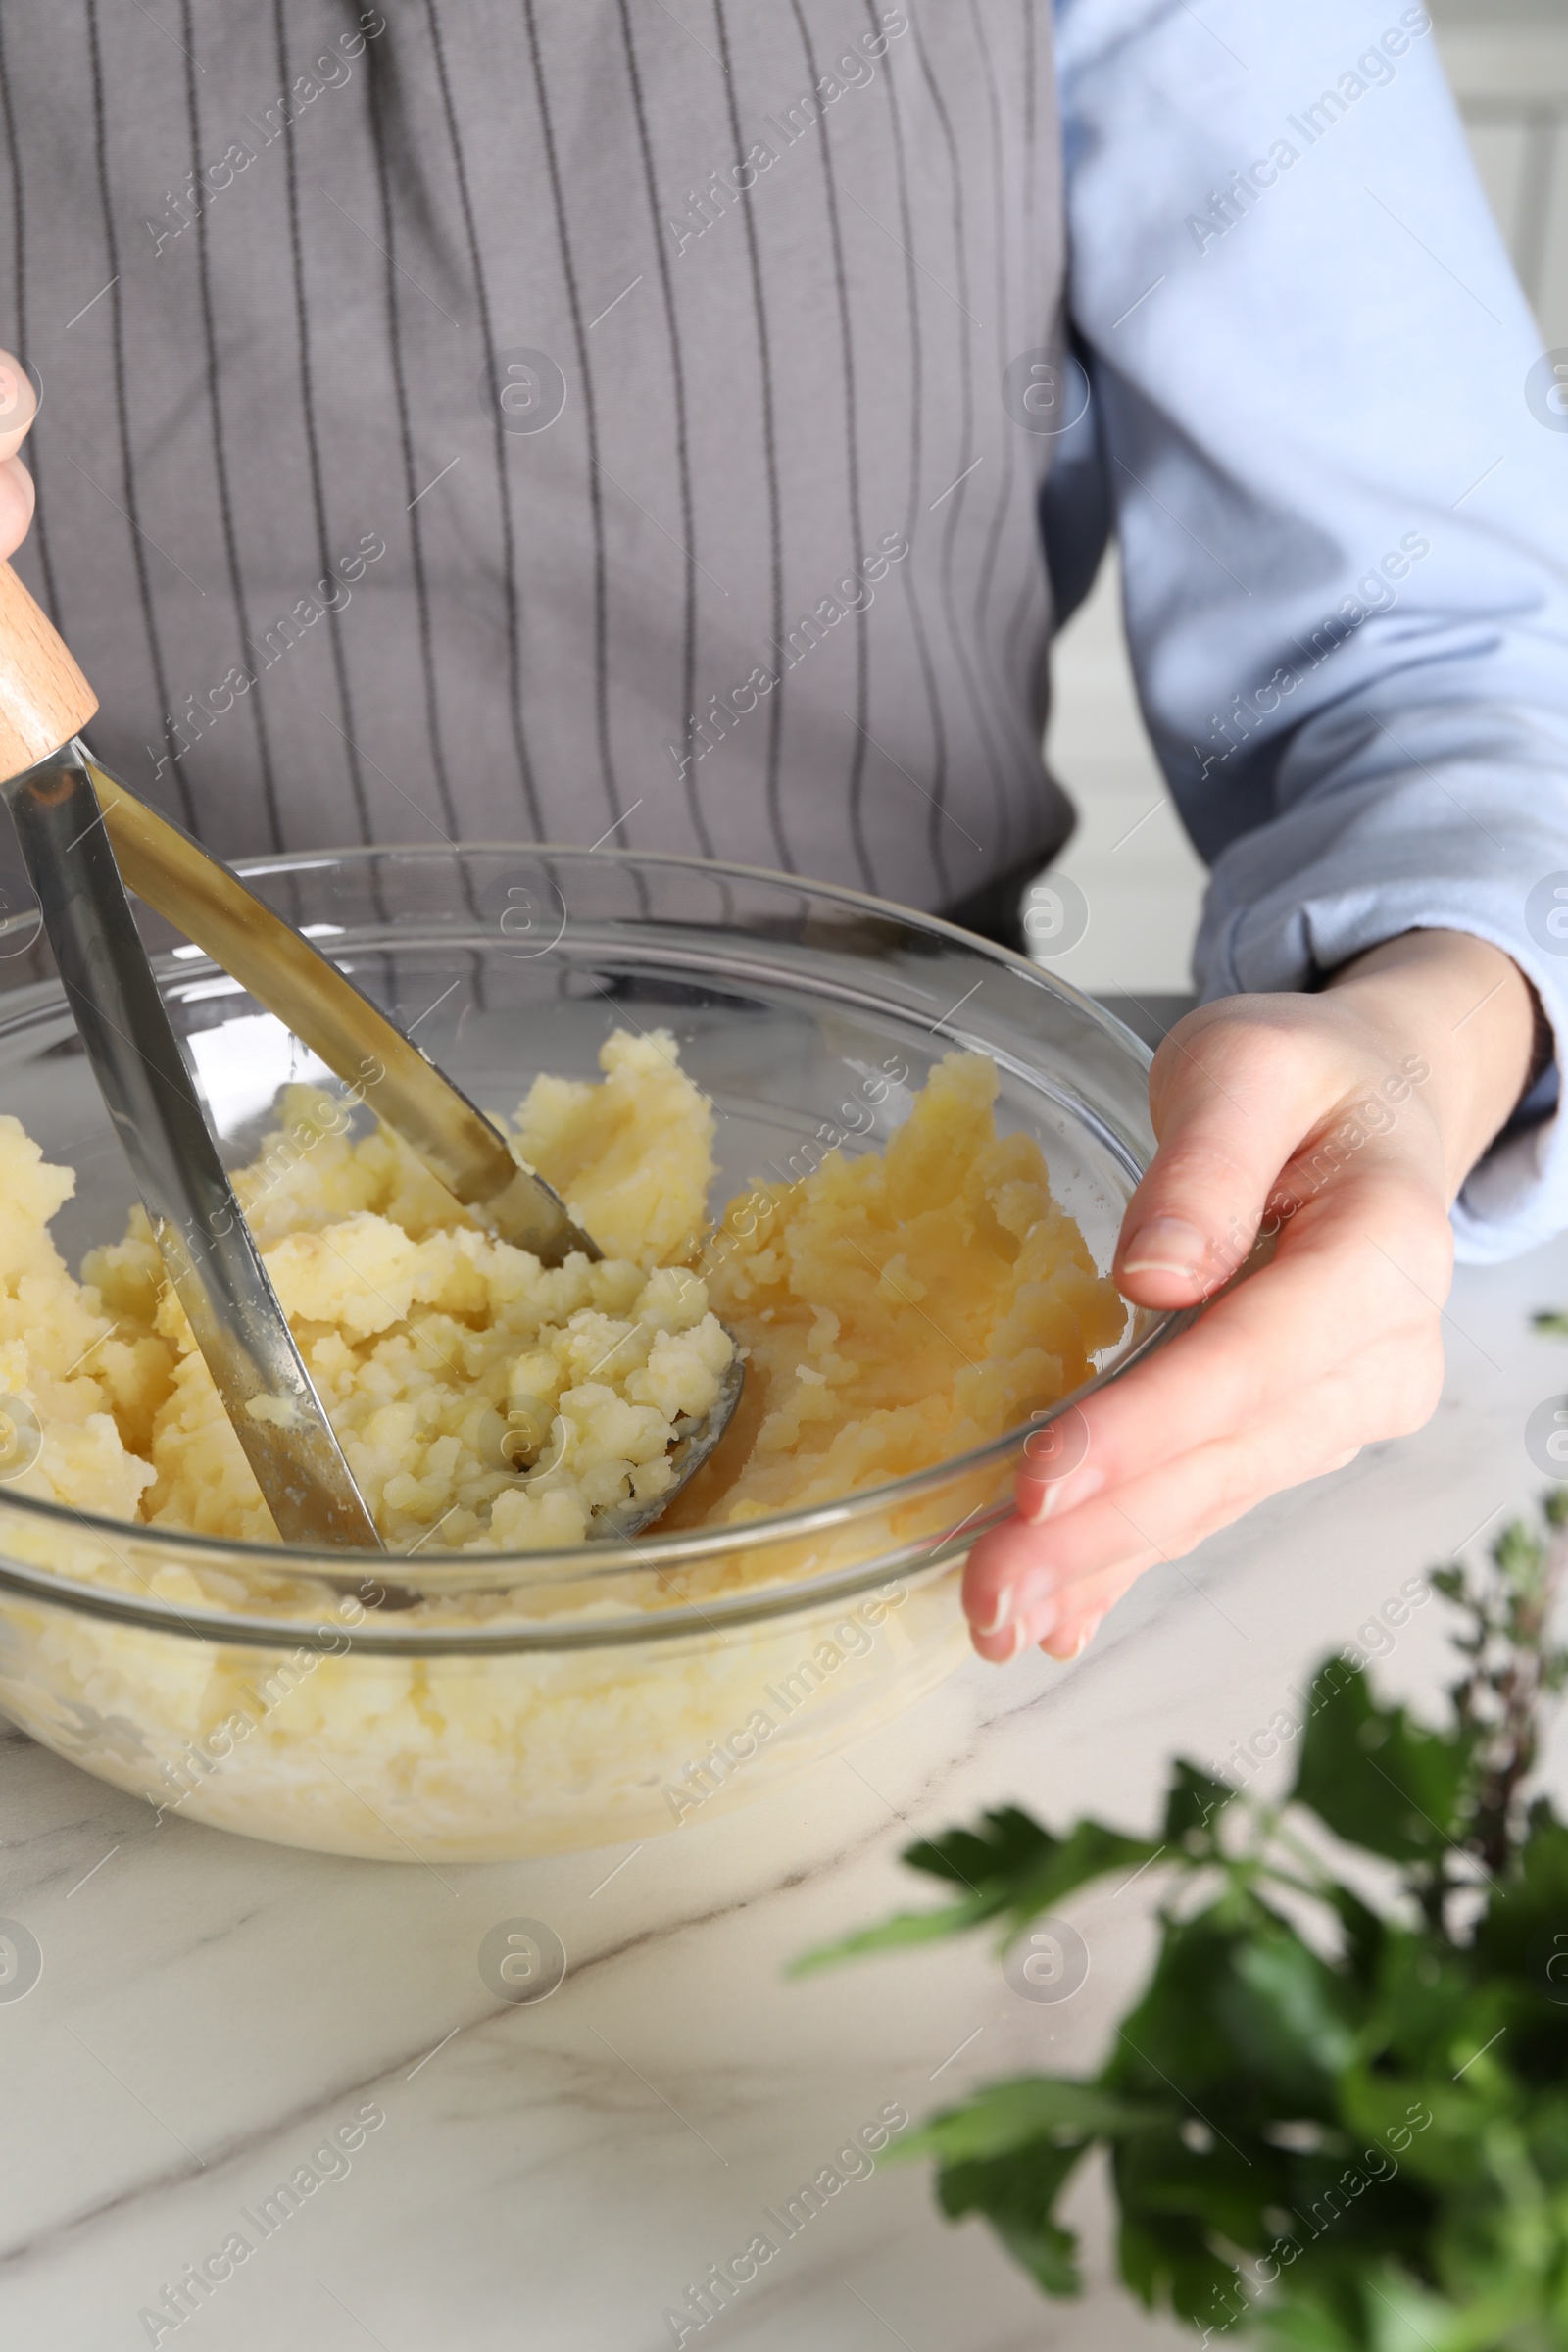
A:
(1467, 1010)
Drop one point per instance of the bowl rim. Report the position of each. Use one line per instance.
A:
(580, 1565)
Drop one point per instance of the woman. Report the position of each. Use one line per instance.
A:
(591, 420)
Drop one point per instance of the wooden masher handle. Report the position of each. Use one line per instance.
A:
(44, 699)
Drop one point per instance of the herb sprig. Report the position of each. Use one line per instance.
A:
(1336, 2122)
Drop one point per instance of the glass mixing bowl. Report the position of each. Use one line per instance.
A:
(539, 1703)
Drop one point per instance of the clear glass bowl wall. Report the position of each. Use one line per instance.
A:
(540, 1702)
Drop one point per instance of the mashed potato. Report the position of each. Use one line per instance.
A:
(894, 1309)
(898, 1308)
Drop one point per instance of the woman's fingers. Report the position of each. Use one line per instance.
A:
(1027, 1583)
(16, 505)
(1079, 1605)
(1354, 1268)
(1335, 1342)
(1233, 1096)
(1085, 1566)
(1010, 1591)
(19, 405)
(1052, 1583)
(18, 408)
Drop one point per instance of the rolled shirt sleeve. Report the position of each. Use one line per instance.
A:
(1338, 464)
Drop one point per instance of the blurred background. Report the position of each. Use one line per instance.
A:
(1507, 62)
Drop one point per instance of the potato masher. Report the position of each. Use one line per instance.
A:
(84, 836)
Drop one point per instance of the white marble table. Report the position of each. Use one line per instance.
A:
(548, 2178)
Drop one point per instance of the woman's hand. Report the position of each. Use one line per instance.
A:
(1344, 1124)
(18, 408)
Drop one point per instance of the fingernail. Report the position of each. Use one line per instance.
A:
(1020, 1641)
(1041, 1503)
(1165, 1245)
(1000, 1614)
(1035, 1608)
(1037, 1625)
(1088, 1634)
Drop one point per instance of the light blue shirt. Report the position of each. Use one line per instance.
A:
(1336, 461)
